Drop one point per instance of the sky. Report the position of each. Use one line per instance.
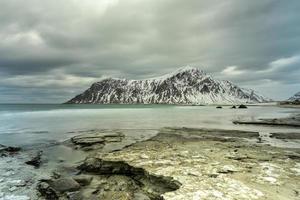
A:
(51, 50)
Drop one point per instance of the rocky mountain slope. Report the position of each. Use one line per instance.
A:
(185, 86)
(296, 97)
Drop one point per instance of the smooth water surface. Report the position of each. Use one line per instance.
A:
(24, 125)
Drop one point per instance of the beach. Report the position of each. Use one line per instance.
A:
(159, 160)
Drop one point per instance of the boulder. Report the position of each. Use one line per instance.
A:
(36, 160)
(46, 191)
(64, 185)
(242, 106)
(8, 150)
(83, 180)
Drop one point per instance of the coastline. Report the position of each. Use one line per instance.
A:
(180, 163)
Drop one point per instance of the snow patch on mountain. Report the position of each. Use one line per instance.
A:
(296, 97)
(188, 85)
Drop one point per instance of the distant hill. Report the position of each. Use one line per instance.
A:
(187, 85)
(294, 100)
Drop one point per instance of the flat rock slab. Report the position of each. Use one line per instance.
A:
(293, 121)
(64, 185)
(210, 133)
(211, 169)
(83, 180)
(8, 150)
(97, 138)
(290, 136)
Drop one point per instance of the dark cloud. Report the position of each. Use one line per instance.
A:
(66, 45)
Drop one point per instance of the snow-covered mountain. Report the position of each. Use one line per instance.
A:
(187, 85)
(296, 97)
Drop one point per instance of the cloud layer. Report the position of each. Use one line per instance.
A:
(51, 50)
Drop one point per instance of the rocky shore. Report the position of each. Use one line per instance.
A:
(177, 163)
(293, 121)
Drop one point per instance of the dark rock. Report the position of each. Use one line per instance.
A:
(8, 150)
(46, 191)
(288, 121)
(233, 107)
(259, 140)
(124, 177)
(96, 140)
(83, 180)
(36, 160)
(75, 196)
(243, 106)
(219, 107)
(290, 136)
(293, 156)
(64, 185)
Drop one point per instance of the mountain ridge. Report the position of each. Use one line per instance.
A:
(187, 85)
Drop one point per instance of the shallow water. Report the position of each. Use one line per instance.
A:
(25, 125)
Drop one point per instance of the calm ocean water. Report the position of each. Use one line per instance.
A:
(25, 125)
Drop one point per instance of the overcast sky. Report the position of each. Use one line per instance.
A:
(51, 50)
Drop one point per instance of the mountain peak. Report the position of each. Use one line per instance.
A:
(188, 68)
(187, 85)
(296, 97)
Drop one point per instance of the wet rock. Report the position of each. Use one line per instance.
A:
(36, 160)
(64, 185)
(129, 178)
(75, 196)
(288, 121)
(8, 150)
(259, 140)
(46, 191)
(97, 140)
(238, 157)
(242, 106)
(290, 136)
(227, 169)
(83, 180)
(293, 156)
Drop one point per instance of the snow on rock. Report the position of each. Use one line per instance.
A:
(187, 85)
(296, 97)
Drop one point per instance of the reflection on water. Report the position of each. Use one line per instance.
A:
(32, 124)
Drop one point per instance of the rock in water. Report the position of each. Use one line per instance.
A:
(36, 160)
(8, 150)
(185, 86)
(242, 106)
(96, 140)
(46, 191)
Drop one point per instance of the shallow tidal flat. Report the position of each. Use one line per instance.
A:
(178, 163)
